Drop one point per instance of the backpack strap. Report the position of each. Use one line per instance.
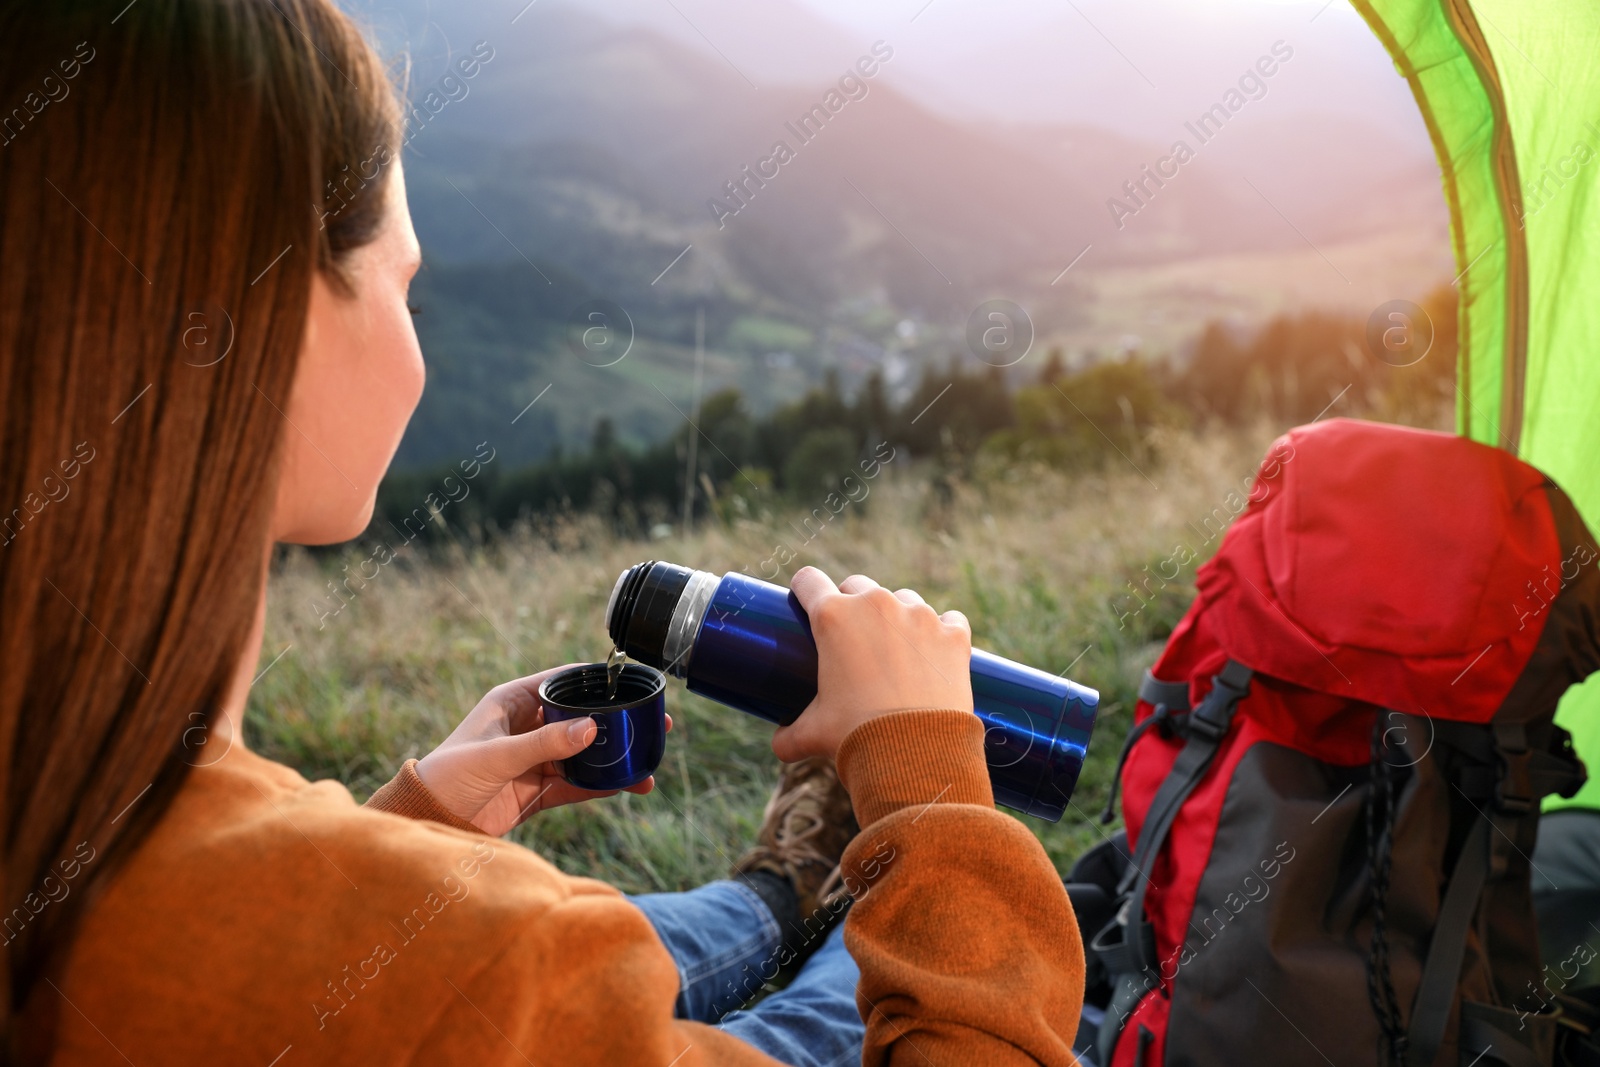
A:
(1205, 727)
(1430, 1012)
(1521, 778)
(1171, 700)
(1174, 696)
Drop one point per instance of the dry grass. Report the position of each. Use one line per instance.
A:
(1031, 556)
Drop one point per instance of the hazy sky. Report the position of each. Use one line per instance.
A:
(1138, 66)
(867, 13)
(1141, 68)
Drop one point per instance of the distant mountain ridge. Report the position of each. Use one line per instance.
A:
(585, 158)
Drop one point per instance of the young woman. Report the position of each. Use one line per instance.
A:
(230, 167)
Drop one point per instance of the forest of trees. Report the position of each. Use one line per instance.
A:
(965, 422)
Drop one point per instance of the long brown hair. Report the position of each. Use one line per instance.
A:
(172, 172)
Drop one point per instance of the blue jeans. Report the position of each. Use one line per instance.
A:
(726, 945)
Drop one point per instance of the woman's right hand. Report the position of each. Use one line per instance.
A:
(877, 652)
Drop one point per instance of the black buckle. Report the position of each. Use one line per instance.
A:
(1114, 948)
(1206, 727)
(1513, 793)
(1513, 790)
(1211, 719)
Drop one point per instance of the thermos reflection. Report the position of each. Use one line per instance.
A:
(747, 644)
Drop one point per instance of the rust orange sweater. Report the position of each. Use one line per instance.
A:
(269, 920)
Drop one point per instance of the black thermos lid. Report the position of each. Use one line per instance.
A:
(640, 612)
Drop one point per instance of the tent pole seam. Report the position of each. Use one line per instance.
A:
(1509, 186)
(1452, 196)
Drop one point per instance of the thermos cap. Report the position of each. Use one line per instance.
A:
(655, 610)
(631, 723)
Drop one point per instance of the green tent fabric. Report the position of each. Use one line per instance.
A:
(1510, 91)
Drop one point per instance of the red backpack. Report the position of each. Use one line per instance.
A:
(1332, 785)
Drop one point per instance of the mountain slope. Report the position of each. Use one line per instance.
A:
(588, 161)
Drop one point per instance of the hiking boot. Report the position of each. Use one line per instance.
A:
(804, 831)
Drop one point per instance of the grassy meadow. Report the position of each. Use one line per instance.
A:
(1032, 556)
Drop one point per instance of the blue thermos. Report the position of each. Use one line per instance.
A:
(747, 644)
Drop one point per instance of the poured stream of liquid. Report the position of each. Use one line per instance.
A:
(614, 664)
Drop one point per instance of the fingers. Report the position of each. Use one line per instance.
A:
(955, 618)
(513, 755)
(558, 794)
(574, 734)
(797, 741)
(788, 743)
(858, 583)
(810, 586)
(519, 699)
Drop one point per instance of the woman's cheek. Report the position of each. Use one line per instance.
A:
(408, 373)
(419, 370)
(392, 384)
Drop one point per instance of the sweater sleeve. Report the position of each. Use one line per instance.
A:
(405, 794)
(968, 947)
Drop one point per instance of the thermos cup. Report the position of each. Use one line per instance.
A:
(747, 644)
(631, 722)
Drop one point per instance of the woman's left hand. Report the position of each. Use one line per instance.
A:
(498, 766)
